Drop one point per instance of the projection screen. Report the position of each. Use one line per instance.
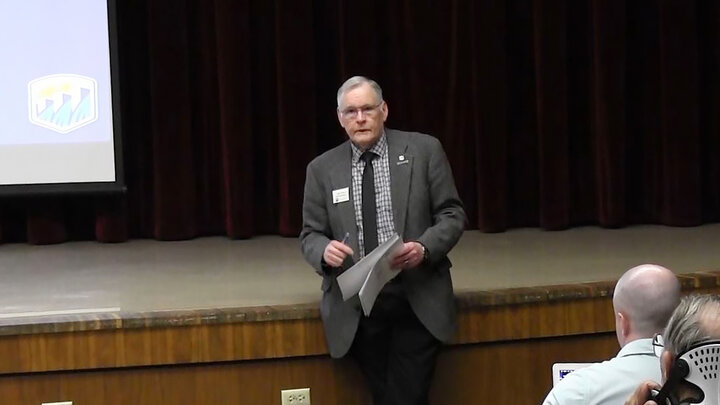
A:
(59, 131)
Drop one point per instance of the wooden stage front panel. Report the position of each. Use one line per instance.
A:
(506, 343)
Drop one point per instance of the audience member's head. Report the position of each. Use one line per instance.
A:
(695, 321)
(644, 298)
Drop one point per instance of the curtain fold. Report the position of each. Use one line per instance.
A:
(709, 58)
(679, 113)
(551, 89)
(607, 110)
(233, 89)
(553, 114)
(296, 115)
(485, 112)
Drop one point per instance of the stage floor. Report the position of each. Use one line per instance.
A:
(216, 272)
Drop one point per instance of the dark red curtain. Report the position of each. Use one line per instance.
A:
(553, 113)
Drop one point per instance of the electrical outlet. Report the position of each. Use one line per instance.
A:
(300, 396)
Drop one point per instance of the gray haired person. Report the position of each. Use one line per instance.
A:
(358, 195)
(691, 357)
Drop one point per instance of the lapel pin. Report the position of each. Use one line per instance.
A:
(401, 158)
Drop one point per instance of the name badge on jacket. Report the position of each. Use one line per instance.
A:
(341, 195)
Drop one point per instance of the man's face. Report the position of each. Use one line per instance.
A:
(362, 115)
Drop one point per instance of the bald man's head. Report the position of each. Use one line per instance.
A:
(644, 298)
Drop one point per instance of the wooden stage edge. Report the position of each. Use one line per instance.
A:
(506, 343)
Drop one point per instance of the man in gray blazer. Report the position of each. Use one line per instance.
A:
(357, 195)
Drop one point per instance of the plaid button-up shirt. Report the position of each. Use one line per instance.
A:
(383, 201)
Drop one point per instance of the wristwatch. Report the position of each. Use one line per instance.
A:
(424, 251)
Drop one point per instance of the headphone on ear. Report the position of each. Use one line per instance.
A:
(667, 395)
(698, 371)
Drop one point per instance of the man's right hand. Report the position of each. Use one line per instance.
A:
(642, 393)
(336, 252)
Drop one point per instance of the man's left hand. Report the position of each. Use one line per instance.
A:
(410, 256)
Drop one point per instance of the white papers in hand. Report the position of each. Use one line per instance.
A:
(368, 276)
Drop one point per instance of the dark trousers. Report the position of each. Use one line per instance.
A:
(394, 351)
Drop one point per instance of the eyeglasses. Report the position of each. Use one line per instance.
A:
(658, 344)
(351, 113)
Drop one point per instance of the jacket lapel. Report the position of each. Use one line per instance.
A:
(400, 170)
(341, 177)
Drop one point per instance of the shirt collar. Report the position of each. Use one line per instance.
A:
(379, 148)
(638, 346)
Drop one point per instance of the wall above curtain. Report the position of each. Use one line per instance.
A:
(554, 114)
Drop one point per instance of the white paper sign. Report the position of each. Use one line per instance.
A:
(368, 276)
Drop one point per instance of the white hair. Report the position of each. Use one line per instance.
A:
(357, 81)
(693, 322)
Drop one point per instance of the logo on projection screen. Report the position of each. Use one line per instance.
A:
(63, 102)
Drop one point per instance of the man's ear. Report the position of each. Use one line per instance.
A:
(623, 324)
(667, 360)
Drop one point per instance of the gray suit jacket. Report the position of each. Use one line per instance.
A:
(426, 208)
